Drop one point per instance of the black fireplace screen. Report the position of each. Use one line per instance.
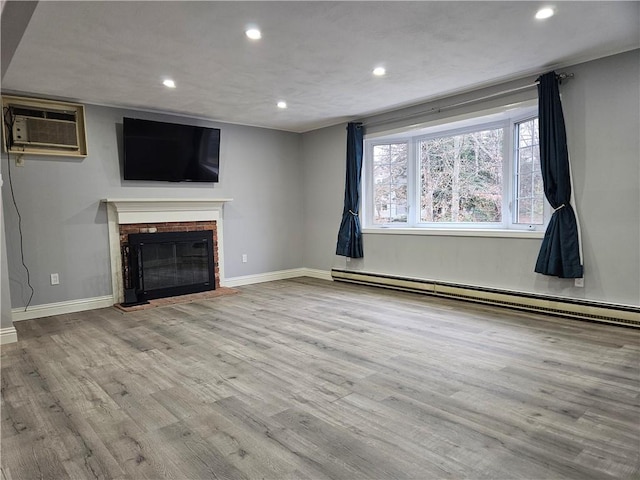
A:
(168, 264)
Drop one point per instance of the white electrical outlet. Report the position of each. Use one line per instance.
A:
(244, 258)
(579, 282)
(55, 279)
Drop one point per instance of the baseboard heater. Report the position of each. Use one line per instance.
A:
(564, 307)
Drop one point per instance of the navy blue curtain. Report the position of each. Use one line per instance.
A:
(350, 234)
(560, 251)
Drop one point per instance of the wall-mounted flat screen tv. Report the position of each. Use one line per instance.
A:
(170, 152)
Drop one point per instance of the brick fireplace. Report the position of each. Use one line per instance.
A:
(132, 216)
(179, 258)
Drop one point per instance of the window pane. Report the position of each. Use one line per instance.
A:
(537, 212)
(461, 177)
(525, 160)
(390, 164)
(524, 211)
(381, 203)
(536, 157)
(538, 198)
(526, 134)
(525, 185)
(529, 190)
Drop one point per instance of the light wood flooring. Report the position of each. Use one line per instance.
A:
(309, 379)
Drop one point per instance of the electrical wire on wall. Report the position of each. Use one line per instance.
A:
(8, 122)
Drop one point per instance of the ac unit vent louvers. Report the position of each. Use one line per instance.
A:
(47, 128)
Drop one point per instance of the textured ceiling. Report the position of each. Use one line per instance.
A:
(317, 56)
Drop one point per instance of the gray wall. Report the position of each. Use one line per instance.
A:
(601, 110)
(323, 179)
(288, 191)
(65, 225)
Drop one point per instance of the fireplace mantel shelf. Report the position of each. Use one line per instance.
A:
(140, 210)
(173, 200)
(155, 204)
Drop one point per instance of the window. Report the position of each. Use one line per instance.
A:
(480, 173)
(461, 177)
(390, 163)
(529, 198)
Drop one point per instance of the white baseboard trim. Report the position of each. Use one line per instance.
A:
(60, 308)
(315, 273)
(8, 335)
(277, 275)
(261, 277)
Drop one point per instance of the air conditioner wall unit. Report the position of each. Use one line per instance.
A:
(43, 127)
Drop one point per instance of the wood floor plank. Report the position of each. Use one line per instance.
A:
(194, 456)
(31, 456)
(354, 414)
(546, 461)
(309, 379)
(141, 456)
(315, 462)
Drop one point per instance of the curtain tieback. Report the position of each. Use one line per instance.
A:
(355, 214)
(556, 209)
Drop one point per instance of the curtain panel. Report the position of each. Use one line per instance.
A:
(560, 251)
(350, 233)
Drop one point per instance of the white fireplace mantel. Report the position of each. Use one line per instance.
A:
(153, 210)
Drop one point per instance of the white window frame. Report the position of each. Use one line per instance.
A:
(509, 117)
(547, 210)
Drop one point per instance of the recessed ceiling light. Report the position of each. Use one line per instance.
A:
(282, 104)
(544, 13)
(169, 83)
(379, 71)
(253, 34)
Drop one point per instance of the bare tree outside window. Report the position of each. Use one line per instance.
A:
(390, 163)
(461, 177)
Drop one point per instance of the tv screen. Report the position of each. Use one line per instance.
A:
(170, 152)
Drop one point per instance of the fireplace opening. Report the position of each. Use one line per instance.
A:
(168, 264)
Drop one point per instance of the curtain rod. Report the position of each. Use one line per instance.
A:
(560, 77)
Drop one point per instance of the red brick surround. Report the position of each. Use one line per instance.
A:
(164, 227)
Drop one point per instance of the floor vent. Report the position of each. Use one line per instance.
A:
(565, 307)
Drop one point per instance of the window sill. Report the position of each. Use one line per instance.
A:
(453, 232)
